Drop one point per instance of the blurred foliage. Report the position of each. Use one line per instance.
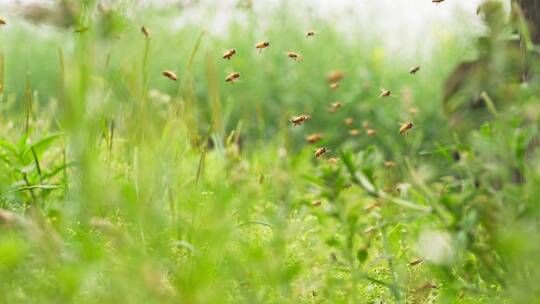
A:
(120, 185)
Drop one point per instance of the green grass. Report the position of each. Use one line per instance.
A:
(110, 192)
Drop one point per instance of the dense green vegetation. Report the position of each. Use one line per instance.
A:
(118, 185)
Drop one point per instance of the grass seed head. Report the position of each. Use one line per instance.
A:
(145, 31)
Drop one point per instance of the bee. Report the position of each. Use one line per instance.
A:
(319, 152)
(415, 262)
(385, 93)
(414, 69)
(349, 121)
(262, 45)
(232, 77)
(310, 34)
(293, 55)
(313, 138)
(171, 75)
(146, 32)
(333, 160)
(406, 127)
(389, 164)
(316, 203)
(365, 124)
(371, 132)
(335, 76)
(2, 21)
(228, 54)
(335, 106)
(298, 120)
(437, 1)
(354, 132)
(334, 85)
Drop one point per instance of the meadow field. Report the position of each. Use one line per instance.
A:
(132, 171)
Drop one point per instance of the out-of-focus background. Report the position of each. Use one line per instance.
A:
(392, 157)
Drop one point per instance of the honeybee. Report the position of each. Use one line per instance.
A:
(171, 75)
(262, 45)
(310, 34)
(228, 54)
(365, 124)
(371, 132)
(145, 31)
(334, 85)
(316, 203)
(232, 77)
(313, 138)
(349, 121)
(414, 69)
(413, 110)
(2, 21)
(335, 106)
(415, 262)
(354, 132)
(385, 93)
(405, 127)
(293, 55)
(437, 1)
(334, 76)
(298, 120)
(319, 152)
(389, 164)
(333, 160)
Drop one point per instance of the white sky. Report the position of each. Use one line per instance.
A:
(402, 22)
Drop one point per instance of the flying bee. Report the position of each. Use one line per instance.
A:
(414, 69)
(313, 138)
(389, 164)
(310, 34)
(232, 77)
(333, 161)
(335, 106)
(354, 132)
(334, 85)
(171, 75)
(385, 93)
(415, 262)
(371, 132)
(2, 21)
(298, 120)
(437, 1)
(228, 54)
(365, 124)
(146, 32)
(335, 76)
(293, 55)
(316, 203)
(349, 121)
(319, 152)
(262, 45)
(406, 127)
